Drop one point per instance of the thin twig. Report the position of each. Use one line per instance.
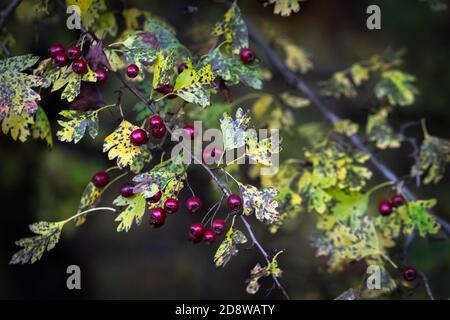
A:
(8, 10)
(426, 285)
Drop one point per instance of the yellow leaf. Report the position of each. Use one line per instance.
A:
(261, 106)
(17, 125)
(82, 4)
(296, 58)
(294, 101)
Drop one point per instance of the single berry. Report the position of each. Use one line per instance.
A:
(102, 75)
(247, 55)
(155, 198)
(234, 202)
(157, 217)
(132, 71)
(171, 205)
(127, 190)
(80, 66)
(74, 53)
(55, 49)
(138, 137)
(209, 236)
(196, 231)
(61, 59)
(385, 207)
(181, 67)
(218, 226)
(190, 131)
(158, 133)
(164, 89)
(193, 204)
(398, 200)
(409, 273)
(100, 179)
(212, 155)
(155, 121)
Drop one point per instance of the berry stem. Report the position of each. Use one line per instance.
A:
(381, 186)
(88, 211)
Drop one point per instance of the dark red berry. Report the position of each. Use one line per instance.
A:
(190, 131)
(409, 273)
(196, 231)
(234, 202)
(138, 137)
(102, 75)
(247, 55)
(158, 133)
(155, 121)
(171, 205)
(181, 67)
(164, 89)
(212, 155)
(132, 71)
(218, 226)
(55, 49)
(398, 200)
(100, 179)
(127, 190)
(80, 66)
(74, 53)
(157, 217)
(61, 59)
(209, 236)
(193, 204)
(385, 207)
(155, 198)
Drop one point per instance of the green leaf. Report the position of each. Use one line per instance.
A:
(339, 85)
(47, 236)
(346, 127)
(228, 247)
(66, 78)
(434, 157)
(379, 131)
(89, 199)
(163, 69)
(285, 7)
(234, 130)
(76, 124)
(261, 202)
(397, 87)
(41, 129)
(141, 48)
(134, 211)
(165, 36)
(104, 25)
(17, 95)
(260, 151)
(233, 29)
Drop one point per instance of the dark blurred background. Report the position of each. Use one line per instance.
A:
(41, 184)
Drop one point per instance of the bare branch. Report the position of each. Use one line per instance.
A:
(426, 285)
(8, 10)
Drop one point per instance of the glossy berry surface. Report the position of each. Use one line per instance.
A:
(398, 200)
(102, 75)
(247, 55)
(189, 130)
(100, 179)
(212, 155)
(138, 137)
(157, 217)
(209, 236)
(127, 190)
(409, 273)
(164, 89)
(218, 226)
(55, 49)
(385, 207)
(196, 231)
(158, 133)
(132, 71)
(155, 121)
(171, 205)
(61, 59)
(181, 67)
(234, 202)
(79, 66)
(74, 53)
(193, 204)
(155, 198)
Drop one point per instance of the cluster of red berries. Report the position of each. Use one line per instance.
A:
(386, 207)
(73, 54)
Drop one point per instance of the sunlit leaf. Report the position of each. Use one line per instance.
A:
(297, 60)
(75, 125)
(228, 248)
(261, 202)
(285, 7)
(41, 129)
(396, 86)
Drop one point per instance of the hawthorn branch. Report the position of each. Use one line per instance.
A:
(426, 285)
(295, 80)
(8, 10)
(219, 183)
